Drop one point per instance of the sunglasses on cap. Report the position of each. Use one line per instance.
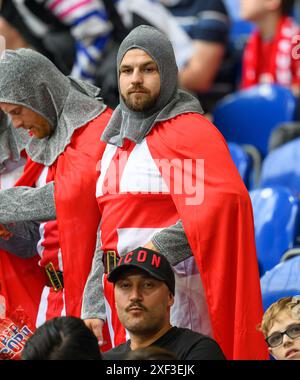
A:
(276, 339)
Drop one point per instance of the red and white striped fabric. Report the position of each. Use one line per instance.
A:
(52, 303)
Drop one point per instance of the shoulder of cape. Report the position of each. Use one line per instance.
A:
(186, 130)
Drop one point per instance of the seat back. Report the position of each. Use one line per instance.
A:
(276, 217)
(282, 166)
(281, 281)
(249, 116)
(242, 161)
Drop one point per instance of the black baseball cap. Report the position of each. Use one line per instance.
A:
(155, 264)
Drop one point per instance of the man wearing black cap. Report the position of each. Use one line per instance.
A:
(144, 289)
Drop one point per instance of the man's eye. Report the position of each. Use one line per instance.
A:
(126, 71)
(15, 112)
(148, 285)
(295, 329)
(124, 285)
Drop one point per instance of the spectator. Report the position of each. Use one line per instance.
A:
(144, 287)
(268, 57)
(281, 328)
(55, 28)
(207, 23)
(65, 118)
(63, 338)
(157, 126)
(60, 29)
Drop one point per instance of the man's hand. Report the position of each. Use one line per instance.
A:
(96, 326)
(4, 233)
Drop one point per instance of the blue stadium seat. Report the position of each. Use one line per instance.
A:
(242, 161)
(249, 116)
(276, 219)
(281, 166)
(281, 281)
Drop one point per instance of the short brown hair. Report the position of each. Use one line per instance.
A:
(283, 304)
(287, 6)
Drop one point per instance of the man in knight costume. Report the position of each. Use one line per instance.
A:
(54, 198)
(165, 164)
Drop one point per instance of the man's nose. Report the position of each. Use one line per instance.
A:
(136, 294)
(137, 76)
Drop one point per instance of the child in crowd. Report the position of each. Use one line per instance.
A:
(281, 328)
(272, 53)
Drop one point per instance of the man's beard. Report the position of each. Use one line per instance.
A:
(143, 105)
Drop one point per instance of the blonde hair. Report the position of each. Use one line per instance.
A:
(291, 305)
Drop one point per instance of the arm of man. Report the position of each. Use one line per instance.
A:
(93, 306)
(20, 204)
(201, 70)
(209, 28)
(172, 243)
(20, 239)
(13, 39)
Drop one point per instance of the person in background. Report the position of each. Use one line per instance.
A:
(271, 55)
(62, 338)
(144, 290)
(75, 34)
(281, 328)
(207, 23)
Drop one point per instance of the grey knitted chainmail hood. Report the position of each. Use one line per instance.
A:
(12, 141)
(171, 102)
(29, 79)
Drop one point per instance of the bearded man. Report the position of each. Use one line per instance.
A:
(165, 163)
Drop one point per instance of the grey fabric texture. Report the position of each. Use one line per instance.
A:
(12, 141)
(20, 204)
(171, 102)
(173, 244)
(93, 304)
(29, 79)
(24, 240)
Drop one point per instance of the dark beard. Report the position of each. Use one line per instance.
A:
(147, 105)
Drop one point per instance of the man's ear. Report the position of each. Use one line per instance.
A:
(171, 299)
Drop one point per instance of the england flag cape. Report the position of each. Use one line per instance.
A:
(219, 229)
(78, 219)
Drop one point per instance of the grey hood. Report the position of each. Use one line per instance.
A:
(12, 141)
(171, 102)
(29, 79)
